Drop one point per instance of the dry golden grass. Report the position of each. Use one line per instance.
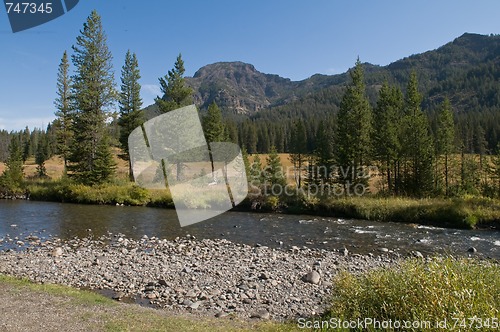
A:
(55, 166)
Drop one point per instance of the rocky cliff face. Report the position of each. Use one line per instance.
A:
(238, 87)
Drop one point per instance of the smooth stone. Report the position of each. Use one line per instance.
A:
(195, 305)
(57, 252)
(261, 314)
(118, 296)
(312, 277)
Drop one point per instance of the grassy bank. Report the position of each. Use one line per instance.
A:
(464, 292)
(66, 308)
(467, 212)
(464, 212)
(125, 193)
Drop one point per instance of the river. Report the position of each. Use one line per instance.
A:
(19, 219)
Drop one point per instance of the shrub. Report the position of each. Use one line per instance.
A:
(420, 291)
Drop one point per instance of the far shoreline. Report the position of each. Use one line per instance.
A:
(455, 213)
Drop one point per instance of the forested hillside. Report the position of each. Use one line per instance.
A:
(466, 71)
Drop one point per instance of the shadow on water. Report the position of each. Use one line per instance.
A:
(19, 219)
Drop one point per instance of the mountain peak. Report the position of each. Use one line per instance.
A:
(224, 66)
(237, 86)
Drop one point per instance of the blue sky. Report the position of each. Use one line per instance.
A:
(294, 39)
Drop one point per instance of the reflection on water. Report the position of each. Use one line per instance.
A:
(22, 218)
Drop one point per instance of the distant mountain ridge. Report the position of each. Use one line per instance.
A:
(467, 70)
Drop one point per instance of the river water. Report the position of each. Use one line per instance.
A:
(19, 219)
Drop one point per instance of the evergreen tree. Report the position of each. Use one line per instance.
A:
(131, 115)
(231, 129)
(176, 93)
(354, 130)
(495, 171)
(27, 148)
(249, 136)
(417, 143)
(246, 161)
(42, 154)
(12, 176)
(64, 121)
(322, 161)
(93, 90)
(445, 142)
(213, 125)
(386, 138)
(256, 173)
(298, 149)
(214, 129)
(480, 147)
(274, 173)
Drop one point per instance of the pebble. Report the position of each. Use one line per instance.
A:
(57, 252)
(417, 254)
(201, 276)
(312, 277)
(261, 314)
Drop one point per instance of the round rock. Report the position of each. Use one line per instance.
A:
(312, 277)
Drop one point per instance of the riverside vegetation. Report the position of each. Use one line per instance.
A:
(467, 211)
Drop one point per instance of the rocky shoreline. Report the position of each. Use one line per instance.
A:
(204, 277)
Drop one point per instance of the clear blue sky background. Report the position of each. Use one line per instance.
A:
(294, 39)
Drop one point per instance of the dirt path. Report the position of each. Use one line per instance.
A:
(25, 307)
(25, 310)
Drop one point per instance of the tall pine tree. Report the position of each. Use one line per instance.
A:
(94, 92)
(417, 142)
(386, 138)
(131, 115)
(63, 103)
(353, 143)
(298, 149)
(445, 142)
(176, 94)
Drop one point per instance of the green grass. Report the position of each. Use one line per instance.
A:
(119, 192)
(465, 212)
(82, 297)
(439, 289)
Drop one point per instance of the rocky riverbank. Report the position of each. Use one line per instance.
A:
(207, 277)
